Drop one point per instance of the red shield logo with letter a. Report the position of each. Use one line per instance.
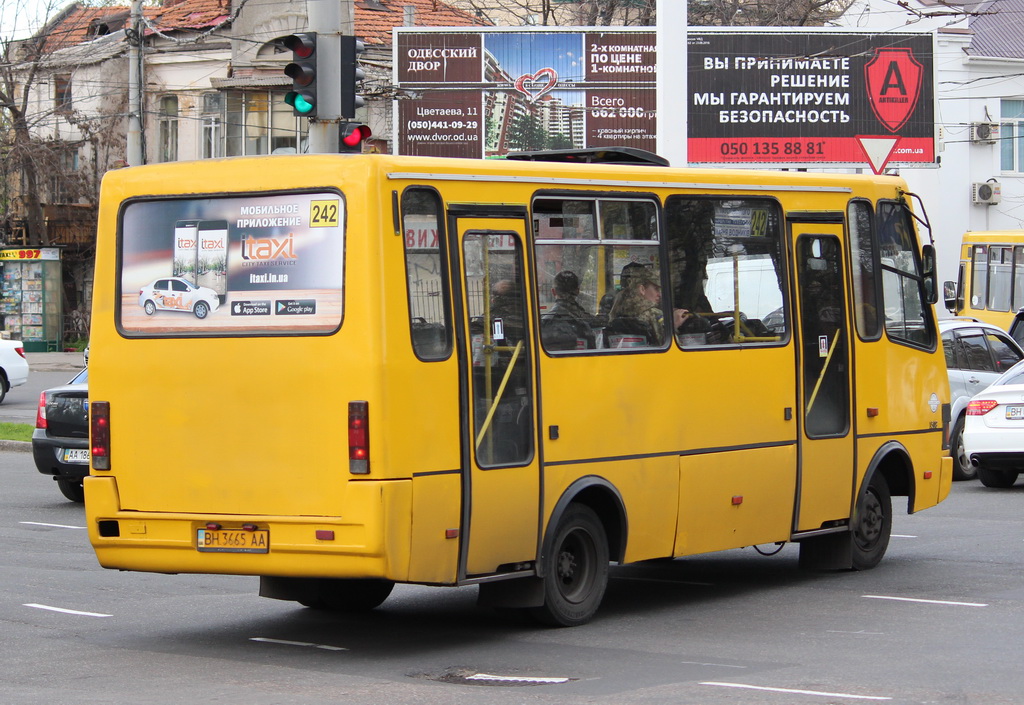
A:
(893, 79)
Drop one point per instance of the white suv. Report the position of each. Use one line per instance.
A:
(13, 366)
(976, 354)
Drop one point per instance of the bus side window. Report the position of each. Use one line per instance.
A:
(726, 271)
(426, 279)
(864, 266)
(586, 251)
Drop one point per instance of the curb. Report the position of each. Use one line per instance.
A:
(19, 446)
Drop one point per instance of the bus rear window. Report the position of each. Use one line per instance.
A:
(245, 265)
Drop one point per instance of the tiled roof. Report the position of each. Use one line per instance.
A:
(998, 29)
(77, 24)
(189, 14)
(375, 18)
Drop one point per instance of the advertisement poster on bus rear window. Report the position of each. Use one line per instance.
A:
(242, 265)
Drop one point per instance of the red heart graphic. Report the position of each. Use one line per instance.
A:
(533, 92)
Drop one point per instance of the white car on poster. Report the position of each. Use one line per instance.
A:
(178, 294)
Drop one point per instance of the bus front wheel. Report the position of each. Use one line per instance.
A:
(872, 524)
(575, 569)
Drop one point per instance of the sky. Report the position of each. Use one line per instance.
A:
(19, 18)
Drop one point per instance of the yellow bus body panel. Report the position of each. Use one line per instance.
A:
(977, 307)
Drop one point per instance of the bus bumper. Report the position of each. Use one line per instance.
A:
(369, 541)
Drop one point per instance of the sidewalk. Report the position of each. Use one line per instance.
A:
(55, 361)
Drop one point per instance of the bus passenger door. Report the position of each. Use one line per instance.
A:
(826, 481)
(501, 485)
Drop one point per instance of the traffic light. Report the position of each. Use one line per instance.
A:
(352, 136)
(351, 75)
(302, 71)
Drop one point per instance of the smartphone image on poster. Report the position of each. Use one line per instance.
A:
(212, 262)
(185, 249)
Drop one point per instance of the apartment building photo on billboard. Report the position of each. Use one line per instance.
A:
(489, 92)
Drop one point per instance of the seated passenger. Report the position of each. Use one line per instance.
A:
(567, 325)
(638, 309)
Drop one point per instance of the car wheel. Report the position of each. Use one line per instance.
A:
(201, 309)
(872, 524)
(962, 468)
(575, 569)
(3, 386)
(149, 307)
(352, 595)
(1000, 479)
(72, 489)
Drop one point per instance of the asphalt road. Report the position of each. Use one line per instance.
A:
(939, 621)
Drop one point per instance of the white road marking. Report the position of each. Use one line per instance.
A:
(516, 679)
(717, 665)
(799, 692)
(55, 526)
(297, 643)
(929, 602)
(66, 611)
(902, 536)
(837, 631)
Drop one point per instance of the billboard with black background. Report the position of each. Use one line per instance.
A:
(809, 97)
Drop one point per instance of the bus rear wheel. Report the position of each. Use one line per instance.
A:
(348, 595)
(575, 569)
(872, 524)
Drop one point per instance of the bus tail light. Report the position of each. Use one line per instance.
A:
(980, 407)
(359, 437)
(41, 411)
(99, 423)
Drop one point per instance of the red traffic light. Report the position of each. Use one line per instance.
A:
(352, 135)
(302, 46)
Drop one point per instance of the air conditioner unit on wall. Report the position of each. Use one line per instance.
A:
(987, 193)
(984, 132)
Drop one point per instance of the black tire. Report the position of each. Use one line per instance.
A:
(149, 307)
(352, 595)
(72, 489)
(962, 468)
(1000, 479)
(3, 386)
(872, 524)
(201, 310)
(575, 569)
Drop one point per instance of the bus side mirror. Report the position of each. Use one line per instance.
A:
(949, 295)
(930, 280)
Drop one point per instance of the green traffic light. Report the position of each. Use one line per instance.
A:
(300, 103)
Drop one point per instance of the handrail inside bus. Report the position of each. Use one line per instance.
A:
(821, 375)
(497, 397)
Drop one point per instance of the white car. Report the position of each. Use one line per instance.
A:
(976, 355)
(178, 294)
(993, 434)
(13, 366)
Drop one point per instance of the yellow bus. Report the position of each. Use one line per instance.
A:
(507, 373)
(990, 281)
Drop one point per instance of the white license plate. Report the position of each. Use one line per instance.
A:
(1015, 411)
(75, 456)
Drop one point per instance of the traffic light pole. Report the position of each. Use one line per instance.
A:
(326, 19)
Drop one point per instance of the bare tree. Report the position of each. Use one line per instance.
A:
(19, 66)
(765, 13)
(553, 12)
